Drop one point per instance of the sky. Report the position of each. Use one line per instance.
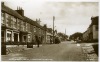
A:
(70, 16)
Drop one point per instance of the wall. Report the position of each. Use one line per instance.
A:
(95, 32)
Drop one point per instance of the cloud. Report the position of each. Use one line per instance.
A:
(69, 15)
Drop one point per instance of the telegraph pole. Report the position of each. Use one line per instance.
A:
(65, 31)
(53, 29)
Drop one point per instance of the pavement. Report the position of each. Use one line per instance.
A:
(89, 52)
(65, 51)
(16, 48)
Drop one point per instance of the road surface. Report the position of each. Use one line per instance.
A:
(65, 51)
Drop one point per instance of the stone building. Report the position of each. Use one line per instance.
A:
(91, 34)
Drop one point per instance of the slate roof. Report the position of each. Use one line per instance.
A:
(32, 22)
(11, 11)
(16, 14)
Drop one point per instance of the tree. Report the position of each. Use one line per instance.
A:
(63, 36)
(76, 35)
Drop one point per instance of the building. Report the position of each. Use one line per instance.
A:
(49, 35)
(17, 29)
(91, 34)
(11, 25)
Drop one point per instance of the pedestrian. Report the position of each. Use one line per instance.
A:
(50, 41)
(37, 40)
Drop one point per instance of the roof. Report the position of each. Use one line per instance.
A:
(95, 20)
(49, 30)
(32, 22)
(49, 34)
(11, 11)
(16, 14)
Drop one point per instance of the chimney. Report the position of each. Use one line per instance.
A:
(38, 21)
(94, 20)
(20, 11)
(45, 26)
(2, 3)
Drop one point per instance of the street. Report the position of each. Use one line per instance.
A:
(28, 34)
(65, 51)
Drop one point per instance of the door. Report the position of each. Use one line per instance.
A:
(15, 37)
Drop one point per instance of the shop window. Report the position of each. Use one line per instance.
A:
(8, 37)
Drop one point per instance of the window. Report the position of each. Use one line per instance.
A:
(34, 28)
(48, 37)
(2, 18)
(8, 20)
(2, 36)
(29, 38)
(8, 37)
(26, 27)
(24, 40)
(39, 31)
(14, 22)
(96, 28)
(11, 21)
(18, 24)
(22, 25)
(31, 26)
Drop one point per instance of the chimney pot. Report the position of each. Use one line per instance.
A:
(20, 11)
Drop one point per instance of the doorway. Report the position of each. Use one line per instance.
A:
(15, 37)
